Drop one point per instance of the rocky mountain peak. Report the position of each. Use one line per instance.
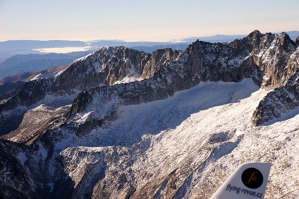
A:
(258, 40)
(159, 58)
(105, 66)
(286, 42)
(271, 55)
(255, 35)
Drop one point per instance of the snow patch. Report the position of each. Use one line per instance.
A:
(43, 75)
(82, 118)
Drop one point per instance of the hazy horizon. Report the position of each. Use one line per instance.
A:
(133, 20)
(174, 40)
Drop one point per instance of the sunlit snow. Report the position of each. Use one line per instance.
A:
(205, 131)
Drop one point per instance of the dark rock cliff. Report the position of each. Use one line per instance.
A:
(278, 102)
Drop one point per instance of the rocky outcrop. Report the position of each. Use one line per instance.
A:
(103, 67)
(31, 93)
(291, 67)
(15, 181)
(159, 59)
(36, 122)
(272, 58)
(283, 99)
(278, 102)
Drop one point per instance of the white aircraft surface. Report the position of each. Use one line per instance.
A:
(249, 181)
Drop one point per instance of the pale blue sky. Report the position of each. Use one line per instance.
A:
(138, 20)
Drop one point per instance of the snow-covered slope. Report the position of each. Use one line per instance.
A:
(185, 146)
(173, 124)
(165, 139)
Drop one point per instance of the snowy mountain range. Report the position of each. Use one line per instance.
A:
(123, 123)
(18, 56)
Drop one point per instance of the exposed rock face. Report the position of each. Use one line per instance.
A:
(159, 59)
(291, 67)
(64, 119)
(36, 122)
(32, 92)
(103, 67)
(282, 99)
(278, 102)
(15, 179)
(272, 57)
